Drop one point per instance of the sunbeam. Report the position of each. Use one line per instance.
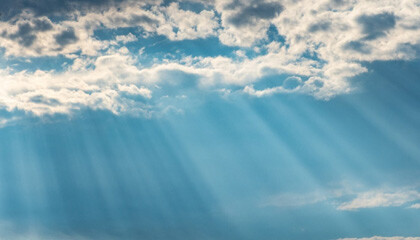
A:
(209, 120)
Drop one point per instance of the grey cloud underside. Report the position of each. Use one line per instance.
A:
(10, 8)
(357, 46)
(26, 33)
(137, 19)
(44, 100)
(320, 26)
(258, 10)
(375, 26)
(66, 37)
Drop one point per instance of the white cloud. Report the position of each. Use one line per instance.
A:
(126, 38)
(21, 37)
(134, 90)
(4, 121)
(100, 87)
(382, 238)
(346, 199)
(374, 199)
(289, 85)
(415, 206)
(181, 24)
(326, 43)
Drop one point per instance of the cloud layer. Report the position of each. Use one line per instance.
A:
(311, 47)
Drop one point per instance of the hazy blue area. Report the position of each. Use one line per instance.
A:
(206, 173)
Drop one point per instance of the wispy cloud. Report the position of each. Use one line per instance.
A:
(4, 121)
(10, 231)
(379, 198)
(415, 206)
(347, 200)
(294, 200)
(382, 238)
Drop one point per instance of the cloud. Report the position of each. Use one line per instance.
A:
(39, 36)
(26, 31)
(415, 206)
(321, 45)
(246, 22)
(6, 121)
(31, 36)
(289, 85)
(184, 24)
(377, 25)
(10, 9)
(346, 199)
(126, 38)
(255, 11)
(66, 37)
(109, 85)
(319, 26)
(357, 46)
(382, 238)
(380, 199)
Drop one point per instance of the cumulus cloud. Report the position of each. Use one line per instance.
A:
(10, 9)
(377, 25)
(255, 11)
(26, 31)
(80, 86)
(28, 34)
(246, 22)
(66, 37)
(321, 46)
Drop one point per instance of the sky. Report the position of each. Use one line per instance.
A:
(208, 120)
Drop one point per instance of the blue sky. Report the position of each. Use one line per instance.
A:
(210, 120)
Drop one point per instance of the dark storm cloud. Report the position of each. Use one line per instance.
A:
(375, 26)
(9, 8)
(66, 37)
(26, 32)
(257, 10)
